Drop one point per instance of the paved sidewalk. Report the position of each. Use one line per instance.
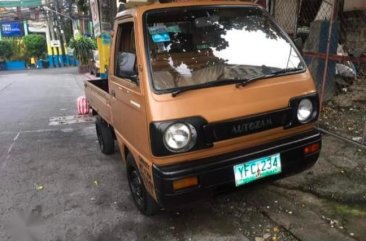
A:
(339, 174)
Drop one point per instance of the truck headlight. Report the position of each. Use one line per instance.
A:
(305, 110)
(180, 137)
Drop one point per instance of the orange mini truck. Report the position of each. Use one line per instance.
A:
(203, 97)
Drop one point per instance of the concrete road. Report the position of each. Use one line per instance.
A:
(55, 185)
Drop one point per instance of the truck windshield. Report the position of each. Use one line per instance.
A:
(198, 46)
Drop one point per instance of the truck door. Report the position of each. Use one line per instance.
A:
(128, 106)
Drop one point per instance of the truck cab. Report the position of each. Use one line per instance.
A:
(202, 97)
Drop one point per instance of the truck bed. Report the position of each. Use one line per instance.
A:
(97, 93)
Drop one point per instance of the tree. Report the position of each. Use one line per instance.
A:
(17, 48)
(82, 48)
(83, 8)
(5, 50)
(35, 45)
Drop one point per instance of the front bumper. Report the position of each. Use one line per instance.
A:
(215, 174)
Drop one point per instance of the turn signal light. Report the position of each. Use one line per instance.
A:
(184, 183)
(311, 148)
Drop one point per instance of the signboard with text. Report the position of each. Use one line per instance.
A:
(55, 43)
(94, 7)
(11, 29)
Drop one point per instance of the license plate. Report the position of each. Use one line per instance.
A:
(257, 169)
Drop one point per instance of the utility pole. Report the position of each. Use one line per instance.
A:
(60, 47)
(61, 32)
(51, 35)
(64, 46)
(62, 54)
(53, 41)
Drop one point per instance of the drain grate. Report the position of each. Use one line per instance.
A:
(69, 120)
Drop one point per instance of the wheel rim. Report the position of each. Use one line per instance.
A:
(137, 188)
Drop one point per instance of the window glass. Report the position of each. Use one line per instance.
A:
(194, 46)
(126, 52)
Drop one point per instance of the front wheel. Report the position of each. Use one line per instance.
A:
(142, 199)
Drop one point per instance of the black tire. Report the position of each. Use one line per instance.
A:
(142, 199)
(105, 136)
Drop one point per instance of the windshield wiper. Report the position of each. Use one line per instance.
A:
(204, 85)
(239, 82)
(266, 76)
(288, 70)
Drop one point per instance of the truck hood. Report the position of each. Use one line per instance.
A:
(230, 102)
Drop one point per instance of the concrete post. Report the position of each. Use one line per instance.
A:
(25, 26)
(60, 48)
(49, 40)
(54, 50)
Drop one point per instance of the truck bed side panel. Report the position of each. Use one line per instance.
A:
(96, 91)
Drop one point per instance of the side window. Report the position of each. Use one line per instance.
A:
(125, 55)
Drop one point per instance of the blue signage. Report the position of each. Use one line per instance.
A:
(161, 37)
(11, 29)
(106, 38)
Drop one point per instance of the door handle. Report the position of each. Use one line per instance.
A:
(113, 93)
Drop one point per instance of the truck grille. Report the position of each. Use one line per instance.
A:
(244, 126)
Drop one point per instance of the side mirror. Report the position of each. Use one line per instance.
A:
(126, 66)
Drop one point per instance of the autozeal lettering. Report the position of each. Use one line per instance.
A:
(256, 125)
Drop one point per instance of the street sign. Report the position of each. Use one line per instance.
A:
(94, 7)
(55, 43)
(106, 38)
(11, 29)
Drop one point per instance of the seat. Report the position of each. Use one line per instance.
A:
(201, 76)
(163, 80)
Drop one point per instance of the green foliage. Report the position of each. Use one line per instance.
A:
(5, 50)
(82, 48)
(83, 6)
(35, 45)
(18, 49)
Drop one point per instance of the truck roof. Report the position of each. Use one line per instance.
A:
(158, 5)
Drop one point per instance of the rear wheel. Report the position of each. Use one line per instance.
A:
(142, 199)
(105, 136)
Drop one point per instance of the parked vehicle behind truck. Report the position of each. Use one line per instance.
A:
(202, 97)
